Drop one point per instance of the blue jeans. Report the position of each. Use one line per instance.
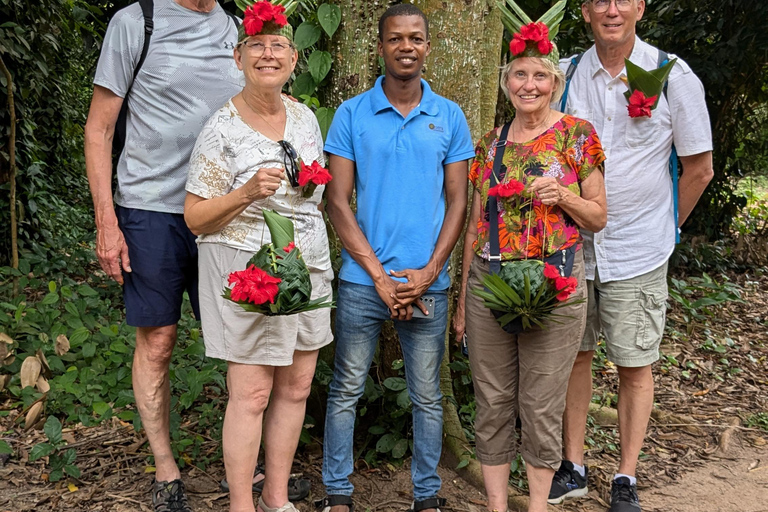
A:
(360, 314)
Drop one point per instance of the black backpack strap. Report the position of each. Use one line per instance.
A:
(118, 140)
(493, 208)
(148, 10)
(234, 19)
(568, 76)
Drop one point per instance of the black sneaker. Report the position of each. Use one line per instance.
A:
(624, 496)
(567, 483)
(169, 497)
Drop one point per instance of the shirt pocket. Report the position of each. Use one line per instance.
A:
(642, 131)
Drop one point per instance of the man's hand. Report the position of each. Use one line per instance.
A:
(112, 252)
(418, 283)
(387, 290)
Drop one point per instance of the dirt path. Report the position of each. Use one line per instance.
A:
(735, 482)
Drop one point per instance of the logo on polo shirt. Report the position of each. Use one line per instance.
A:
(436, 128)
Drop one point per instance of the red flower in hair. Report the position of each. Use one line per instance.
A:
(511, 188)
(551, 272)
(566, 286)
(253, 285)
(261, 12)
(538, 33)
(314, 173)
(517, 45)
(640, 105)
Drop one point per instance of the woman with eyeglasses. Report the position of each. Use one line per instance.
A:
(245, 161)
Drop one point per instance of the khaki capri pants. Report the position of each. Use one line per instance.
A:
(521, 374)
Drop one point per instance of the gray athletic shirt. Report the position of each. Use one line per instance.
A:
(188, 74)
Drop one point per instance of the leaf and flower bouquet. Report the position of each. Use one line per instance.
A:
(276, 279)
(645, 87)
(525, 291)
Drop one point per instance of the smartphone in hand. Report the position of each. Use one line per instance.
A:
(429, 302)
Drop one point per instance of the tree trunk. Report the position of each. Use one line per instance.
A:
(12, 174)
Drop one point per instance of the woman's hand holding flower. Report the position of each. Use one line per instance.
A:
(263, 184)
(547, 189)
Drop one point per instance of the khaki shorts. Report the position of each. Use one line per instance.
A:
(232, 334)
(631, 314)
(525, 374)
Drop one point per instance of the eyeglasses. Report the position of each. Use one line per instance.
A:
(290, 160)
(257, 48)
(601, 6)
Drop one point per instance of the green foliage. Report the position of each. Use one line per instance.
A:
(698, 297)
(60, 460)
(758, 420)
(49, 50)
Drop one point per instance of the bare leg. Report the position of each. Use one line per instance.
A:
(283, 422)
(496, 480)
(577, 407)
(539, 482)
(152, 390)
(635, 404)
(249, 387)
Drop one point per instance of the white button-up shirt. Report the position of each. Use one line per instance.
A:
(640, 234)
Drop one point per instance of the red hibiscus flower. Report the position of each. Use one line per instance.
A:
(288, 248)
(517, 45)
(261, 12)
(639, 105)
(511, 188)
(251, 23)
(253, 285)
(566, 286)
(551, 272)
(537, 33)
(314, 173)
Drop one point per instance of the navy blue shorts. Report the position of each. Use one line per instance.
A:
(163, 257)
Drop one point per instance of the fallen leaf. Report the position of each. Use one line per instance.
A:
(44, 362)
(72, 487)
(62, 344)
(33, 414)
(42, 384)
(150, 469)
(30, 371)
(702, 392)
(6, 339)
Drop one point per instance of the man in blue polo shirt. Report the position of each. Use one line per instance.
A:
(404, 150)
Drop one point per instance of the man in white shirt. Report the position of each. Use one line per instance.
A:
(626, 263)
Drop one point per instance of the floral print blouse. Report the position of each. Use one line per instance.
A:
(570, 151)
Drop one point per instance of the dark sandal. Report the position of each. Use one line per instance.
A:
(333, 500)
(298, 488)
(436, 503)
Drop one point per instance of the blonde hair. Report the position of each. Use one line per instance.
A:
(551, 68)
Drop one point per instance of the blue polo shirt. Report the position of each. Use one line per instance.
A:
(399, 175)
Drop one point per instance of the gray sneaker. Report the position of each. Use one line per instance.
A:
(169, 496)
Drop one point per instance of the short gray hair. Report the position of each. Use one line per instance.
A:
(551, 68)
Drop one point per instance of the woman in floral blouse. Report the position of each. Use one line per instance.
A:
(549, 187)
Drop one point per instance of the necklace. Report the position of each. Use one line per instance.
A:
(279, 134)
(537, 129)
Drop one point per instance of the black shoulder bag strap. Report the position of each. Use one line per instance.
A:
(118, 141)
(234, 19)
(493, 207)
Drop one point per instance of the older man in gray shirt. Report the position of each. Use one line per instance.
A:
(142, 241)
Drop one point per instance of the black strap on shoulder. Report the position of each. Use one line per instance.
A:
(118, 140)
(568, 76)
(493, 208)
(234, 19)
